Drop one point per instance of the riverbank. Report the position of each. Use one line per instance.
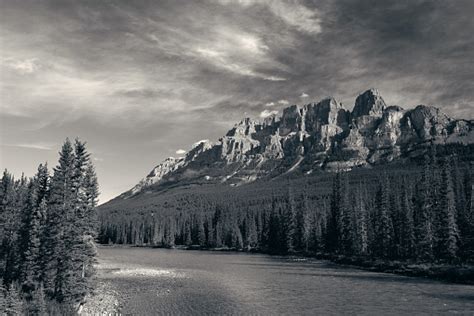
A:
(105, 299)
(460, 273)
(161, 281)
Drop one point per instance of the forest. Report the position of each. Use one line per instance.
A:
(413, 213)
(48, 226)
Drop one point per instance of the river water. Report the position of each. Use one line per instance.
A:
(161, 281)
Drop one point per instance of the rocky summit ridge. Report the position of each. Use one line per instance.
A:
(321, 135)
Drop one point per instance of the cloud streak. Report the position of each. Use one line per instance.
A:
(140, 79)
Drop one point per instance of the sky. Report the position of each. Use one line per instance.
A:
(143, 80)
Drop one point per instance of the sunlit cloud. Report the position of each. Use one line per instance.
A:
(294, 13)
(181, 70)
(267, 113)
(180, 152)
(238, 52)
(25, 66)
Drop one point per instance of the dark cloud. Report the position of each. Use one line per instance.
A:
(142, 79)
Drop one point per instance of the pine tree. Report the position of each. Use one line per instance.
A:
(169, 234)
(407, 225)
(305, 224)
(236, 237)
(423, 216)
(251, 238)
(187, 233)
(384, 228)
(346, 227)
(448, 230)
(465, 212)
(332, 242)
(30, 241)
(37, 305)
(91, 194)
(15, 204)
(3, 302)
(361, 230)
(274, 232)
(58, 236)
(288, 222)
(14, 303)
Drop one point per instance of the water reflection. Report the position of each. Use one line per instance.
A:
(154, 281)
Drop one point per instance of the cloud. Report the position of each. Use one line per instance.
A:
(181, 152)
(36, 146)
(267, 113)
(134, 70)
(294, 13)
(25, 66)
(238, 52)
(304, 95)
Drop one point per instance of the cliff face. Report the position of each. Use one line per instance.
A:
(318, 135)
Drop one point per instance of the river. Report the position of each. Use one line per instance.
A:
(160, 281)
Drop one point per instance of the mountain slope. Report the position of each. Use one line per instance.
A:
(317, 136)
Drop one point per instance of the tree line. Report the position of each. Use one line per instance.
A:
(424, 216)
(47, 228)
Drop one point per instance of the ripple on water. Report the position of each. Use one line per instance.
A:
(148, 272)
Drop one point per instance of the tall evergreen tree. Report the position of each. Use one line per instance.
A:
(346, 227)
(407, 225)
(384, 228)
(423, 215)
(448, 229)
(333, 236)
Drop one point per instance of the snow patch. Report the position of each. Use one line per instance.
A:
(200, 142)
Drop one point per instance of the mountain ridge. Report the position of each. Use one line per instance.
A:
(322, 135)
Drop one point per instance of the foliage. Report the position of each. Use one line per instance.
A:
(48, 225)
(394, 212)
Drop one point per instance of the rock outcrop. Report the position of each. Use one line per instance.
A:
(318, 135)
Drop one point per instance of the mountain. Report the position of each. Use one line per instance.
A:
(314, 137)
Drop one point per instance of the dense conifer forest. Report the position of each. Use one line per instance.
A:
(421, 212)
(48, 224)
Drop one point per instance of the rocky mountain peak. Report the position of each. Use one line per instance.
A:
(322, 135)
(369, 103)
(244, 128)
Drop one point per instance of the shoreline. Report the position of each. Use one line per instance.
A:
(452, 273)
(104, 300)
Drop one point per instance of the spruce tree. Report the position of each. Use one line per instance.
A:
(448, 230)
(3, 302)
(423, 216)
(305, 223)
(384, 228)
(30, 245)
(346, 227)
(201, 233)
(288, 222)
(407, 225)
(332, 239)
(13, 301)
(37, 304)
(251, 237)
(57, 236)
